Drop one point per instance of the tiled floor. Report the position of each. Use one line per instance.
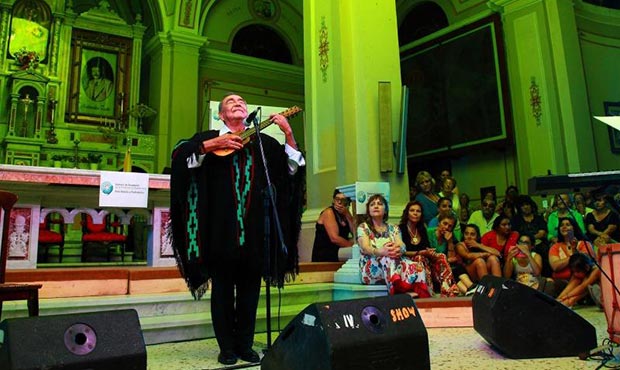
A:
(451, 348)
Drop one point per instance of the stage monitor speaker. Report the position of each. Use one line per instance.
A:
(521, 322)
(93, 341)
(383, 333)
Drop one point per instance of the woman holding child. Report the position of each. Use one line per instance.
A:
(571, 259)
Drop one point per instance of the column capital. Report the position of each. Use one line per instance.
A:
(509, 6)
(186, 39)
(174, 39)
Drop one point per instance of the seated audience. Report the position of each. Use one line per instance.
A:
(441, 255)
(501, 238)
(443, 175)
(570, 241)
(602, 222)
(580, 204)
(509, 205)
(333, 229)
(413, 191)
(525, 266)
(465, 210)
(562, 209)
(382, 249)
(448, 184)
(479, 260)
(508, 209)
(484, 218)
(415, 237)
(528, 221)
(426, 195)
(444, 207)
(584, 274)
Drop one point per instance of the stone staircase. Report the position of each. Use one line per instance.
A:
(172, 317)
(168, 313)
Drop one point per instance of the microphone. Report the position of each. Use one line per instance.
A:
(251, 117)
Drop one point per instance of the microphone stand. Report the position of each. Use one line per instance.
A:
(269, 203)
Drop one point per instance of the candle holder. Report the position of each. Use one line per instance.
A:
(51, 133)
(113, 128)
(76, 152)
(141, 111)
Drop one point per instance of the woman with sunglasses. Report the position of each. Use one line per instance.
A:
(333, 229)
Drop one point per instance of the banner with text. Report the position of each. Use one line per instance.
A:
(123, 189)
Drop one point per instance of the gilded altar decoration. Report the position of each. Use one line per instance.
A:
(187, 14)
(30, 29)
(323, 49)
(27, 59)
(535, 101)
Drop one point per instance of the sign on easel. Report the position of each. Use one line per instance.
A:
(123, 189)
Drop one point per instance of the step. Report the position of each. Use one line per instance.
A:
(191, 326)
(172, 317)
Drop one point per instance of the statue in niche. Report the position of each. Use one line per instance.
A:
(26, 112)
(18, 239)
(30, 29)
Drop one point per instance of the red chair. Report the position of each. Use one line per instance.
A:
(48, 237)
(101, 236)
(14, 292)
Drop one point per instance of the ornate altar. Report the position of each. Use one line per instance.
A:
(70, 86)
(72, 193)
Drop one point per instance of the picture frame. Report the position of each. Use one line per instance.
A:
(99, 78)
(613, 109)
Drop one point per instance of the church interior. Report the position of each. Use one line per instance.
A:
(500, 93)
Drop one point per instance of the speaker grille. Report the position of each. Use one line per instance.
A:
(384, 333)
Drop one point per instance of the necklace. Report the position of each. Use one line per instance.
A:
(432, 197)
(380, 229)
(414, 237)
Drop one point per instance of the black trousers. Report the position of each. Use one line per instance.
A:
(235, 291)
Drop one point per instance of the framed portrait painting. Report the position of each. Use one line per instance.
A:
(613, 109)
(99, 77)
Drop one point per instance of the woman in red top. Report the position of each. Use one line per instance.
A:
(502, 238)
(571, 258)
(570, 241)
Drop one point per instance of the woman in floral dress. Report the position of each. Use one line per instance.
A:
(382, 249)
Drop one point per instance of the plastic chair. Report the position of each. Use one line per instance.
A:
(48, 237)
(9, 291)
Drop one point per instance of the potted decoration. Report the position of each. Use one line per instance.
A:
(27, 59)
(94, 159)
